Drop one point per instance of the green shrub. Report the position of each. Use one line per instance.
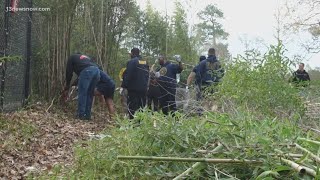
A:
(259, 82)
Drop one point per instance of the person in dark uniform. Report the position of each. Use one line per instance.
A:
(192, 76)
(106, 87)
(168, 83)
(209, 71)
(301, 77)
(89, 75)
(136, 79)
(153, 93)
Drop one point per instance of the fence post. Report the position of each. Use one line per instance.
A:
(4, 63)
(28, 55)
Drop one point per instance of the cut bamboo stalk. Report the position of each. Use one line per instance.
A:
(309, 152)
(207, 160)
(287, 154)
(299, 168)
(194, 166)
(310, 141)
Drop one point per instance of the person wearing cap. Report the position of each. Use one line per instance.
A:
(209, 71)
(168, 83)
(88, 75)
(136, 78)
(192, 76)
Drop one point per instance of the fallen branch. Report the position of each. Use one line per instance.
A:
(299, 168)
(287, 155)
(194, 166)
(154, 158)
(309, 152)
(47, 110)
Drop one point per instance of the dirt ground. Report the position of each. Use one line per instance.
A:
(36, 139)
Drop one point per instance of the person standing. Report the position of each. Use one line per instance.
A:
(209, 71)
(136, 79)
(301, 77)
(168, 83)
(192, 76)
(89, 75)
(153, 93)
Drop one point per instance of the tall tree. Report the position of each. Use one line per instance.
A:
(210, 30)
(180, 43)
(155, 28)
(210, 27)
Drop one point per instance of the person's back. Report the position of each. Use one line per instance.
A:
(135, 80)
(88, 74)
(76, 63)
(137, 75)
(209, 71)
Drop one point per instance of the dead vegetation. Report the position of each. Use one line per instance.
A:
(34, 140)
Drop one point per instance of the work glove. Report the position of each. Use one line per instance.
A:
(187, 89)
(121, 90)
(178, 58)
(157, 74)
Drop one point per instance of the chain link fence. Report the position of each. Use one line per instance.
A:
(15, 47)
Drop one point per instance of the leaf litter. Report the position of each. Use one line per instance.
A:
(34, 140)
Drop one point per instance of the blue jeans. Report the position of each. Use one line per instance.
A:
(88, 80)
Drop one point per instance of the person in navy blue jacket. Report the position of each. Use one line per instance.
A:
(209, 71)
(136, 79)
(168, 83)
(89, 75)
(192, 76)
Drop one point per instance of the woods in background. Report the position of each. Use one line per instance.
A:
(107, 30)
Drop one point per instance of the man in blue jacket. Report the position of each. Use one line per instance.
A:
(89, 75)
(209, 71)
(192, 76)
(136, 78)
(168, 83)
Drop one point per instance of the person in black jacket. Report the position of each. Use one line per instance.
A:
(89, 75)
(136, 79)
(301, 77)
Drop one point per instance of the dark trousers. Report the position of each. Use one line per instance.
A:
(155, 101)
(153, 97)
(168, 100)
(88, 79)
(136, 100)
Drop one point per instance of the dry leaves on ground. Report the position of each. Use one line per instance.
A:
(33, 140)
